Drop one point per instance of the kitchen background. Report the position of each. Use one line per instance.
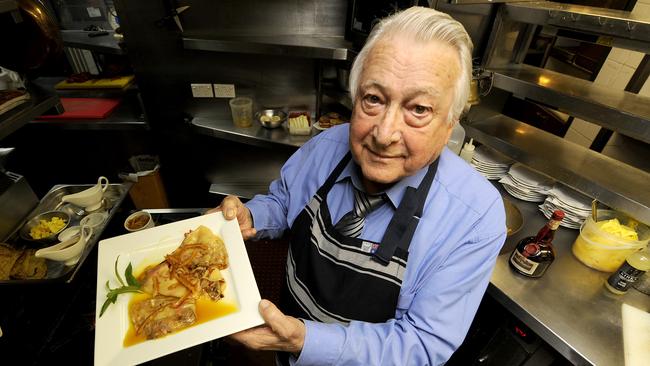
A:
(214, 48)
(165, 65)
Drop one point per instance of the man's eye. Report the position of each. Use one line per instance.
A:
(372, 99)
(418, 109)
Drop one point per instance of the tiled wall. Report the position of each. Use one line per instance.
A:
(615, 73)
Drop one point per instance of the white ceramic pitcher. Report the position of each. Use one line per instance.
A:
(69, 250)
(91, 198)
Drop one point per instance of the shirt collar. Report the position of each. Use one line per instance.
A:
(394, 193)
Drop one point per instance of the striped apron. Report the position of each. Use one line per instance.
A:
(332, 278)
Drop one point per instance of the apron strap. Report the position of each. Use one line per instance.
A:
(405, 220)
(334, 175)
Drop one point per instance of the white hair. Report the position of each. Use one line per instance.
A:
(424, 25)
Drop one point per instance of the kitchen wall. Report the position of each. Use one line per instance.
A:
(164, 71)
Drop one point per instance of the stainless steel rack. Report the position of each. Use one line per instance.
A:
(306, 46)
(40, 101)
(254, 135)
(103, 44)
(620, 111)
(616, 27)
(214, 118)
(124, 117)
(50, 82)
(614, 183)
(127, 116)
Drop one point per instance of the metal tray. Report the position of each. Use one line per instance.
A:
(57, 271)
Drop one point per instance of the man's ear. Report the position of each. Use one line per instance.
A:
(450, 129)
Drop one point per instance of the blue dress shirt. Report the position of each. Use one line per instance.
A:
(451, 256)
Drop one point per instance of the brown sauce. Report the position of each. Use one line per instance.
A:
(137, 222)
(206, 310)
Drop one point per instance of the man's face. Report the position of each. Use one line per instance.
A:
(399, 123)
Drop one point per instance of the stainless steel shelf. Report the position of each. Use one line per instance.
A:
(124, 117)
(600, 21)
(620, 111)
(318, 47)
(253, 172)
(49, 82)
(40, 102)
(466, 2)
(245, 190)
(615, 184)
(254, 135)
(8, 5)
(80, 39)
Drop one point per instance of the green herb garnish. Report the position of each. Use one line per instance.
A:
(131, 285)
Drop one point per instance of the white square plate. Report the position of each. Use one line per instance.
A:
(149, 247)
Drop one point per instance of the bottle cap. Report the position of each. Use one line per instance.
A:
(558, 215)
(469, 146)
(531, 249)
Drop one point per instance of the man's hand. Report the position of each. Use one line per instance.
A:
(232, 207)
(280, 333)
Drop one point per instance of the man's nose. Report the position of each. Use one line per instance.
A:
(387, 130)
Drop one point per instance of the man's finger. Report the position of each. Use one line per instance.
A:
(279, 322)
(258, 338)
(248, 233)
(230, 206)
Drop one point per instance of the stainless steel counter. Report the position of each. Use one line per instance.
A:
(568, 307)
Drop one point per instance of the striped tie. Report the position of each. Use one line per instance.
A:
(351, 223)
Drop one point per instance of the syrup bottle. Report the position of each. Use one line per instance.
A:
(533, 255)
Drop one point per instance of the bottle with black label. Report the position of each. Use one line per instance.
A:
(631, 270)
(534, 254)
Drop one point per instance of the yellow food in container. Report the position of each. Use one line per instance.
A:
(605, 244)
(46, 228)
(614, 227)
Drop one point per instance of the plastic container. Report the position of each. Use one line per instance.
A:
(604, 251)
(242, 111)
(296, 128)
(457, 138)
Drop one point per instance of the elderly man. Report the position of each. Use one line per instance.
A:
(393, 237)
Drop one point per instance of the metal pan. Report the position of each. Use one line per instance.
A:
(57, 271)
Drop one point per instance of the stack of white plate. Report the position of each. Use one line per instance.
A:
(526, 184)
(490, 163)
(576, 206)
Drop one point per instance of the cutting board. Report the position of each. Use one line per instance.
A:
(84, 108)
(112, 83)
(636, 336)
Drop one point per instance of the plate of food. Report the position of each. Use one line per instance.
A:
(328, 120)
(171, 287)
